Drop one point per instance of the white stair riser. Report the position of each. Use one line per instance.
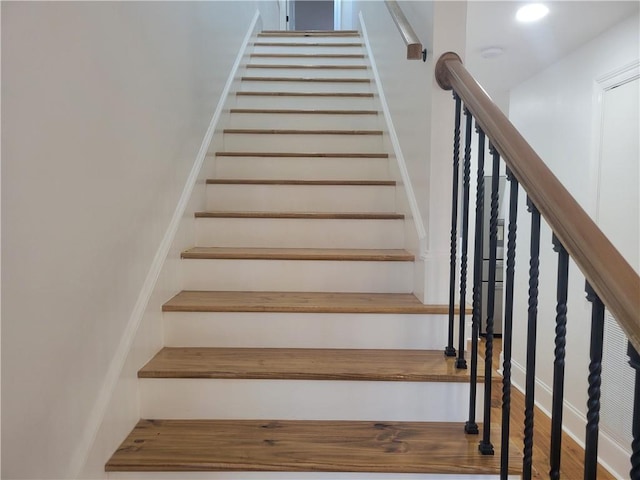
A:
(301, 168)
(298, 276)
(310, 39)
(305, 121)
(309, 60)
(299, 233)
(305, 330)
(276, 101)
(309, 49)
(303, 86)
(307, 72)
(303, 400)
(249, 142)
(301, 198)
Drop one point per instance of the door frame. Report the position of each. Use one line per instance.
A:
(615, 78)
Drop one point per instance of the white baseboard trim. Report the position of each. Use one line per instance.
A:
(610, 454)
(117, 364)
(395, 143)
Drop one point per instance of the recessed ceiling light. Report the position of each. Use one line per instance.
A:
(531, 12)
(491, 52)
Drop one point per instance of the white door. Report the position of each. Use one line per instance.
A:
(618, 215)
(618, 212)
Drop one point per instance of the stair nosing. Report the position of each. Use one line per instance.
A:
(304, 67)
(310, 33)
(298, 254)
(307, 55)
(349, 183)
(284, 131)
(306, 79)
(313, 364)
(381, 446)
(306, 94)
(301, 215)
(302, 111)
(302, 302)
(301, 154)
(303, 44)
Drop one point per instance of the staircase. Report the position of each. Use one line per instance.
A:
(297, 344)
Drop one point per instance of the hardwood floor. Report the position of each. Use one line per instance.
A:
(572, 463)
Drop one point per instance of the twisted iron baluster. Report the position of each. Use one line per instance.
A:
(595, 370)
(471, 426)
(485, 447)
(449, 350)
(508, 326)
(534, 265)
(558, 364)
(634, 361)
(461, 362)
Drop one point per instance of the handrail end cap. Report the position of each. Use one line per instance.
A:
(442, 76)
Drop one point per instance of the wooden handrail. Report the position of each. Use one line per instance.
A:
(414, 46)
(610, 275)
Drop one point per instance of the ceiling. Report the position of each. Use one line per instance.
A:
(529, 48)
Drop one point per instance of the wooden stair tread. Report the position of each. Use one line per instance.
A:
(302, 154)
(303, 44)
(283, 131)
(327, 254)
(234, 181)
(302, 111)
(307, 94)
(306, 79)
(299, 215)
(307, 55)
(309, 33)
(294, 445)
(305, 364)
(300, 302)
(305, 67)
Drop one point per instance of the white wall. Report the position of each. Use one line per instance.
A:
(413, 96)
(104, 108)
(555, 111)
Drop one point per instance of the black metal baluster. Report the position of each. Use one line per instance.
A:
(449, 350)
(471, 426)
(485, 447)
(595, 369)
(461, 362)
(507, 337)
(558, 364)
(532, 324)
(634, 361)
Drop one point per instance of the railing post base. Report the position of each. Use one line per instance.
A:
(486, 448)
(471, 428)
(461, 363)
(449, 352)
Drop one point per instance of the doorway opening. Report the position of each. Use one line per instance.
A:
(313, 15)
